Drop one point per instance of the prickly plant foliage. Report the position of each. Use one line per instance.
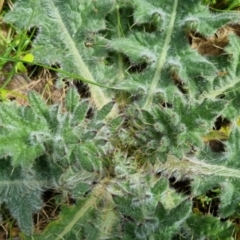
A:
(50, 148)
(165, 97)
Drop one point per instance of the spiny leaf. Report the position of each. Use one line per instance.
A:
(38, 104)
(58, 32)
(18, 184)
(105, 110)
(80, 112)
(63, 228)
(72, 99)
(212, 227)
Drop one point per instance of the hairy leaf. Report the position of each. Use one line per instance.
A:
(168, 97)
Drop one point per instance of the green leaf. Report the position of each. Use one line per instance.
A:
(170, 221)
(20, 134)
(233, 148)
(159, 187)
(113, 166)
(211, 227)
(80, 189)
(87, 156)
(227, 205)
(38, 104)
(28, 58)
(80, 112)
(21, 192)
(72, 224)
(104, 111)
(58, 32)
(72, 99)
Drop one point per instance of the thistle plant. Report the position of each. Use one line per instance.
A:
(115, 151)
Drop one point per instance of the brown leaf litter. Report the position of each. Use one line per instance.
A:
(213, 45)
(20, 84)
